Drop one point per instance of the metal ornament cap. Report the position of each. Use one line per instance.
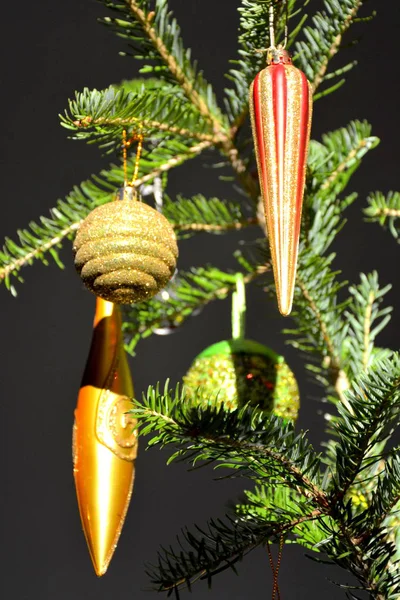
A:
(281, 112)
(104, 439)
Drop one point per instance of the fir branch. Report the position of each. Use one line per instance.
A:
(320, 317)
(333, 161)
(101, 116)
(386, 495)
(47, 235)
(370, 413)
(366, 320)
(253, 42)
(155, 36)
(185, 296)
(324, 39)
(163, 36)
(385, 210)
(258, 444)
(206, 214)
(273, 503)
(320, 329)
(204, 553)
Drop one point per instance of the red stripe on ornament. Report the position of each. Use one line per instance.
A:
(303, 144)
(279, 94)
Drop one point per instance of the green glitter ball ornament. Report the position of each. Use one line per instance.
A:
(239, 372)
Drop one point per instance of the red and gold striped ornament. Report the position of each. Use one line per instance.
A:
(104, 440)
(281, 111)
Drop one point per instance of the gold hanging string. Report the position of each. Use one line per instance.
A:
(129, 186)
(271, 27)
(272, 39)
(125, 156)
(285, 41)
(139, 138)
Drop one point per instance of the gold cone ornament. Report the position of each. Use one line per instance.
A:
(281, 111)
(125, 251)
(104, 439)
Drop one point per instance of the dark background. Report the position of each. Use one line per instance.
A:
(49, 49)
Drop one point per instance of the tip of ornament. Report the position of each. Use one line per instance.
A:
(285, 306)
(100, 564)
(100, 570)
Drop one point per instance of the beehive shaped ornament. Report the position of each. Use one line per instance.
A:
(125, 251)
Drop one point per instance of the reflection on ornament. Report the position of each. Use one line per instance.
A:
(104, 440)
(239, 372)
(281, 110)
(125, 251)
(169, 324)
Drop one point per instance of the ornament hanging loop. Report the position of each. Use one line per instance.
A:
(130, 191)
(271, 28)
(277, 54)
(239, 308)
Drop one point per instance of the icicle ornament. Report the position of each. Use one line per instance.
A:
(105, 439)
(281, 111)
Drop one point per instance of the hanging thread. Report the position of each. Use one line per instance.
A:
(129, 186)
(276, 594)
(139, 139)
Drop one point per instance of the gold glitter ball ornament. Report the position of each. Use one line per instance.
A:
(125, 251)
(239, 372)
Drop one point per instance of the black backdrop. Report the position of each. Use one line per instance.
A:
(48, 50)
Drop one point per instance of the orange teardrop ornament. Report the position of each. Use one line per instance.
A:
(104, 440)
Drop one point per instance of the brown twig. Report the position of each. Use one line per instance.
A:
(128, 122)
(215, 228)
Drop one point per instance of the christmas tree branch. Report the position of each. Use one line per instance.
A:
(335, 45)
(346, 163)
(339, 377)
(101, 116)
(143, 125)
(385, 210)
(221, 134)
(145, 20)
(247, 439)
(332, 162)
(323, 40)
(189, 293)
(366, 319)
(216, 228)
(370, 412)
(320, 328)
(220, 546)
(68, 214)
(387, 492)
(266, 450)
(206, 214)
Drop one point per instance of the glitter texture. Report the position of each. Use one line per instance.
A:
(238, 374)
(281, 111)
(125, 251)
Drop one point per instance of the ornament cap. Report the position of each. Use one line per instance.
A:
(278, 56)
